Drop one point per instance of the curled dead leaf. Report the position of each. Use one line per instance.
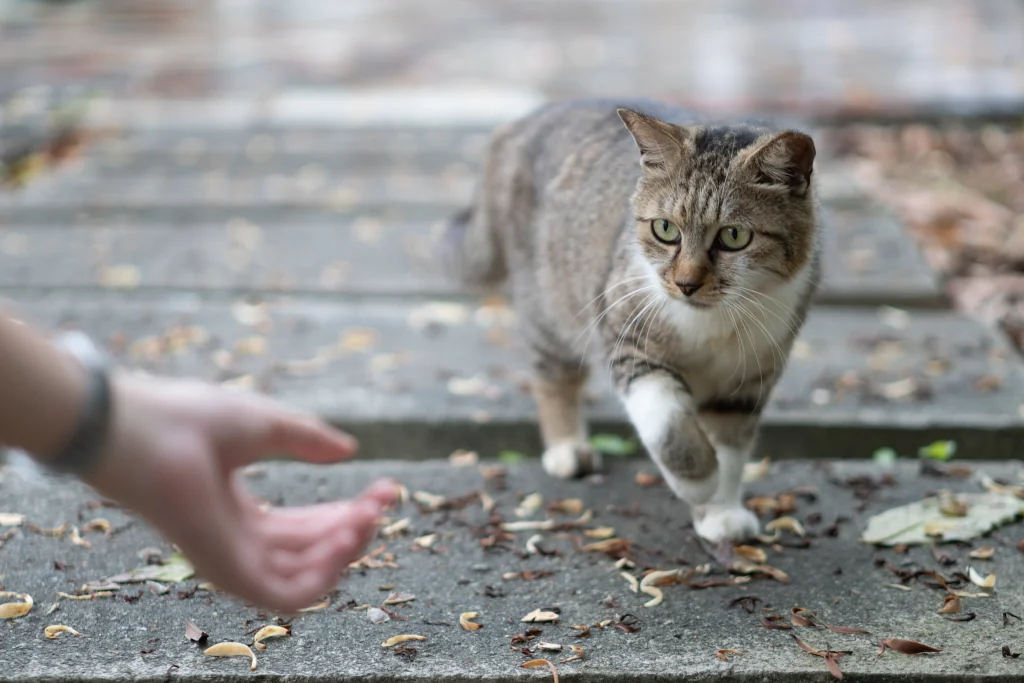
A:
(398, 598)
(549, 647)
(529, 525)
(194, 633)
(978, 580)
(577, 654)
(14, 610)
(985, 552)
(424, 541)
(317, 607)
(749, 552)
(375, 614)
(665, 577)
(535, 663)
(465, 621)
(950, 605)
(775, 623)
(847, 629)
(270, 631)
(431, 501)
(906, 647)
(724, 654)
(634, 585)
(98, 524)
(86, 596)
(568, 506)
(755, 470)
(646, 480)
(232, 650)
(395, 640)
(539, 616)
(786, 524)
(395, 528)
(658, 595)
(611, 545)
(11, 519)
(601, 533)
(76, 538)
(55, 630)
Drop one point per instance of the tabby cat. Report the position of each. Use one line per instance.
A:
(690, 273)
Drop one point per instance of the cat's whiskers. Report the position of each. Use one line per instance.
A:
(753, 349)
(615, 286)
(752, 294)
(651, 320)
(742, 354)
(647, 302)
(595, 322)
(764, 328)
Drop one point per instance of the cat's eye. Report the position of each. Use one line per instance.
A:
(665, 231)
(734, 237)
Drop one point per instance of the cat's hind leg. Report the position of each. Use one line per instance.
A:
(558, 392)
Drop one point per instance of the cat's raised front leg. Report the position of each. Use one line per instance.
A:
(723, 518)
(558, 394)
(661, 410)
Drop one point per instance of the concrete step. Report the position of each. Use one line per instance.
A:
(444, 375)
(835, 576)
(868, 259)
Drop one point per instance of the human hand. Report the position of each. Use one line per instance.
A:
(173, 450)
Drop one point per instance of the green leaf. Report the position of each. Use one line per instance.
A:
(924, 522)
(884, 456)
(174, 570)
(612, 444)
(940, 450)
(511, 457)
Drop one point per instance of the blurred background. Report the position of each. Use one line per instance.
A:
(234, 188)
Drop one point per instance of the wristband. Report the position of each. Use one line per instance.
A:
(89, 440)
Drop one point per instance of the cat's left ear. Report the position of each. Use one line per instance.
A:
(785, 159)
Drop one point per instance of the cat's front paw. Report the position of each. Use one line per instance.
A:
(717, 523)
(570, 460)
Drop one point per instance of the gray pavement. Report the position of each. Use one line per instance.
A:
(140, 637)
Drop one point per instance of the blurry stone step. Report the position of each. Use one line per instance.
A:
(868, 259)
(436, 376)
(253, 152)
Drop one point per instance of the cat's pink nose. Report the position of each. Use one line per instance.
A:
(689, 288)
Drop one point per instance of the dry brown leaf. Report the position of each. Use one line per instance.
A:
(634, 585)
(985, 552)
(395, 528)
(194, 633)
(424, 541)
(14, 610)
(601, 533)
(906, 647)
(979, 581)
(98, 524)
(611, 545)
(11, 519)
(761, 505)
(317, 607)
(667, 577)
(86, 596)
(658, 595)
(465, 621)
(398, 598)
(76, 538)
(749, 552)
(577, 654)
(535, 663)
(775, 623)
(431, 501)
(568, 506)
(395, 640)
(950, 605)
(539, 616)
(724, 654)
(232, 650)
(847, 629)
(461, 458)
(644, 479)
(375, 614)
(55, 630)
(270, 631)
(786, 524)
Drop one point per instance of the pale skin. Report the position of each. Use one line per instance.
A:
(172, 455)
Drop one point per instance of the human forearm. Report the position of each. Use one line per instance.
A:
(41, 391)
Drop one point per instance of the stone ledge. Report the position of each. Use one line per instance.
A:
(403, 375)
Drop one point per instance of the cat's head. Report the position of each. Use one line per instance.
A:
(722, 211)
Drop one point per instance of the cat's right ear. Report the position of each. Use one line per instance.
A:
(660, 143)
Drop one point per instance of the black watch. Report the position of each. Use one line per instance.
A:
(89, 440)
